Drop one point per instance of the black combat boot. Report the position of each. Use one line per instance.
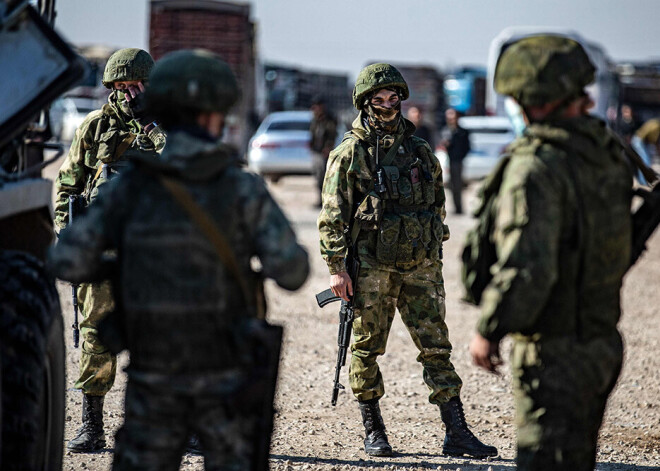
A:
(90, 436)
(193, 446)
(459, 440)
(375, 440)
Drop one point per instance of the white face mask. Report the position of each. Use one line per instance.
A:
(516, 116)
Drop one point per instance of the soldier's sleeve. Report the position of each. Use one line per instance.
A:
(78, 255)
(338, 193)
(281, 257)
(73, 174)
(527, 235)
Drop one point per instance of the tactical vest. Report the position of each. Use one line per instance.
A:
(399, 224)
(114, 144)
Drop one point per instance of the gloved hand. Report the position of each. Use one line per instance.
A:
(135, 99)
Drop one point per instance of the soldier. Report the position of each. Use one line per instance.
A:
(323, 130)
(562, 234)
(187, 288)
(101, 146)
(383, 198)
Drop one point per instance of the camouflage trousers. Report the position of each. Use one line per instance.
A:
(161, 415)
(420, 298)
(560, 390)
(97, 365)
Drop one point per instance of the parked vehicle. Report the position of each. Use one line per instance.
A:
(489, 136)
(67, 113)
(280, 146)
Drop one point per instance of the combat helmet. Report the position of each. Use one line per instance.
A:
(126, 65)
(192, 80)
(374, 77)
(542, 69)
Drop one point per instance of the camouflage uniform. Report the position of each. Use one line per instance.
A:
(383, 192)
(563, 236)
(183, 312)
(78, 176)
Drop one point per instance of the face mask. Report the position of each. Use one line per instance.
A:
(384, 119)
(515, 114)
(119, 97)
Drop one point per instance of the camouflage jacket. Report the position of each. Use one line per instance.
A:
(180, 302)
(106, 136)
(348, 190)
(562, 234)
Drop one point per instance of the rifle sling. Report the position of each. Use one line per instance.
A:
(208, 227)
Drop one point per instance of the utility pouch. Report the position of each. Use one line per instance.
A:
(392, 174)
(388, 238)
(107, 146)
(369, 213)
(410, 239)
(437, 232)
(405, 191)
(417, 185)
(426, 221)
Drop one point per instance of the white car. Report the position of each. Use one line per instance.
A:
(280, 146)
(489, 136)
(68, 113)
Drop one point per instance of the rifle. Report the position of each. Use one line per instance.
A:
(644, 221)
(346, 316)
(75, 202)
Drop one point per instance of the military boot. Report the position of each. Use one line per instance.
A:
(193, 446)
(459, 440)
(90, 436)
(375, 440)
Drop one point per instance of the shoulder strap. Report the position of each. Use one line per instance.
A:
(208, 227)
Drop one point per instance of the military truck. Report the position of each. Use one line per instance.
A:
(37, 66)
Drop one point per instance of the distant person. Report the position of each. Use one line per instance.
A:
(422, 130)
(627, 125)
(185, 228)
(384, 202)
(456, 141)
(561, 230)
(323, 130)
(99, 151)
(646, 141)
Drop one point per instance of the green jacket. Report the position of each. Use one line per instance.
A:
(562, 234)
(349, 188)
(181, 304)
(106, 136)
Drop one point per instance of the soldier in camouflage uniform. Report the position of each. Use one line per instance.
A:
(562, 234)
(383, 196)
(102, 144)
(185, 318)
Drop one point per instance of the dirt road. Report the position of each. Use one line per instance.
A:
(311, 434)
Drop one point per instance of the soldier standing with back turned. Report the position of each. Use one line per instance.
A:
(100, 149)
(187, 290)
(383, 195)
(562, 235)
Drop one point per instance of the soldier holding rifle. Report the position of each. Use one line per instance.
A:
(384, 205)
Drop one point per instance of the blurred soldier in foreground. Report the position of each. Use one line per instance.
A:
(100, 149)
(384, 205)
(562, 237)
(186, 227)
(456, 142)
(323, 130)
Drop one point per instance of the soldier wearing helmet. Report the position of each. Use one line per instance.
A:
(100, 149)
(384, 210)
(200, 361)
(562, 234)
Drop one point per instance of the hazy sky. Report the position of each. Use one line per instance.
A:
(343, 35)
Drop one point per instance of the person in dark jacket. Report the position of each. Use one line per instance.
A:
(456, 141)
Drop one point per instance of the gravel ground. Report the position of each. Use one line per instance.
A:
(311, 434)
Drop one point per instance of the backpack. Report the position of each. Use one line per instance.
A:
(479, 251)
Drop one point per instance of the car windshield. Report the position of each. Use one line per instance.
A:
(288, 126)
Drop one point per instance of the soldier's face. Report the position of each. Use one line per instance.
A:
(385, 98)
(126, 84)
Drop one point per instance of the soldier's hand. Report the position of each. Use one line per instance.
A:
(485, 353)
(340, 285)
(135, 99)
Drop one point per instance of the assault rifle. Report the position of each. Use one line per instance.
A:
(645, 220)
(75, 206)
(345, 324)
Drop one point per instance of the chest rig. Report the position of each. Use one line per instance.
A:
(401, 226)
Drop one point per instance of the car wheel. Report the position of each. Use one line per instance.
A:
(274, 178)
(32, 351)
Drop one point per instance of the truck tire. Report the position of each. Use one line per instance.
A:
(32, 352)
